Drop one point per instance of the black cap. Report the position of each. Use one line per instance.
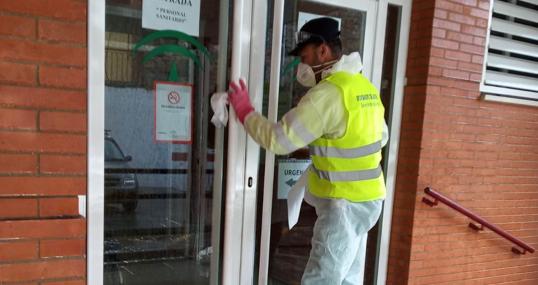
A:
(318, 30)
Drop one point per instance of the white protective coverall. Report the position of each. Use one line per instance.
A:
(340, 231)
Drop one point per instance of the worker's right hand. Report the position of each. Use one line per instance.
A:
(239, 99)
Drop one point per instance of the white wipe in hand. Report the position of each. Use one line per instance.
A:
(219, 101)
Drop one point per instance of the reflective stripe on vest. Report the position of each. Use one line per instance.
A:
(328, 151)
(358, 175)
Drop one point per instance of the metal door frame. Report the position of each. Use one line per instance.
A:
(238, 193)
(96, 130)
(394, 123)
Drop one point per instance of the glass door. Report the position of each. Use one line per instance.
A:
(282, 253)
(163, 160)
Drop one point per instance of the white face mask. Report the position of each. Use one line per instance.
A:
(306, 75)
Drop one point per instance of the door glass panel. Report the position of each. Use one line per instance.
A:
(159, 146)
(289, 249)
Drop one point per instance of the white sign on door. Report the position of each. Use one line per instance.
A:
(173, 112)
(177, 15)
(289, 171)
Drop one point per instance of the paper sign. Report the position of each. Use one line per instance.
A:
(177, 15)
(305, 17)
(173, 112)
(289, 171)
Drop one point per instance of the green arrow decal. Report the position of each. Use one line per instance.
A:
(171, 34)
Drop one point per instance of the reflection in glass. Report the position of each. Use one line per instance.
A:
(112, 150)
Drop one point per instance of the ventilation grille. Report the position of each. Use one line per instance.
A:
(512, 57)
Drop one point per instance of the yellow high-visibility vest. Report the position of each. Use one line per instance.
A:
(349, 167)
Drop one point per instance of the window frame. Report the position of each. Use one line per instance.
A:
(498, 93)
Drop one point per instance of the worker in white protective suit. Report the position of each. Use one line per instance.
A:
(341, 119)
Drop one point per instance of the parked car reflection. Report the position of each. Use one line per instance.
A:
(121, 185)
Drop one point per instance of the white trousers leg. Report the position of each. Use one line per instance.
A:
(338, 236)
(355, 275)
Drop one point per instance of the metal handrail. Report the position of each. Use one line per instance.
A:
(482, 222)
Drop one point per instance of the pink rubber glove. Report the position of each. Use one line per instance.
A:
(238, 97)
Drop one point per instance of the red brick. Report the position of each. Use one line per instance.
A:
(484, 5)
(422, 7)
(443, 82)
(444, 63)
(448, 25)
(450, 6)
(50, 269)
(459, 56)
(62, 77)
(18, 208)
(476, 77)
(483, 23)
(438, 33)
(62, 121)
(18, 119)
(459, 18)
(440, 14)
(437, 52)
(17, 163)
(50, 228)
(42, 142)
(423, 42)
(62, 247)
(18, 73)
(479, 13)
(470, 67)
(43, 98)
(42, 186)
(55, 207)
(61, 9)
(459, 37)
(472, 49)
(479, 41)
(62, 31)
(477, 59)
(445, 44)
(435, 71)
(40, 52)
(11, 25)
(466, 2)
(472, 30)
(11, 251)
(62, 164)
(417, 80)
(419, 62)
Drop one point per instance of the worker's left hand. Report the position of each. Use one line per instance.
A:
(239, 99)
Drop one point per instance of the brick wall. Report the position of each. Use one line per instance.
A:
(42, 141)
(481, 154)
